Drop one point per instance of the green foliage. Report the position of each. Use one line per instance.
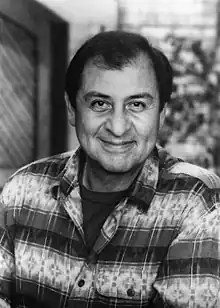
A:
(192, 125)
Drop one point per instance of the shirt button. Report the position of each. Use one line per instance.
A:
(130, 292)
(81, 283)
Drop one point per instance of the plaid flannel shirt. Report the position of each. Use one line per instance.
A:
(160, 247)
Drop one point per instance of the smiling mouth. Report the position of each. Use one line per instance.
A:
(121, 146)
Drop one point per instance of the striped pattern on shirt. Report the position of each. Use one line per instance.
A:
(158, 248)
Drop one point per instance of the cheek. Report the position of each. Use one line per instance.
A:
(87, 125)
(147, 128)
(83, 122)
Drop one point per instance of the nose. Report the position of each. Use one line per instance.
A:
(118, 124)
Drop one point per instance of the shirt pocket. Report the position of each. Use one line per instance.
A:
(125, 282)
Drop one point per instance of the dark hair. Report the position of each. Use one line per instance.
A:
(114, 50)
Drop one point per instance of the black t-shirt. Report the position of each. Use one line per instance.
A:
(96, 207)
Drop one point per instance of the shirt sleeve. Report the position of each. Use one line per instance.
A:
(6, 261)
(190, 273)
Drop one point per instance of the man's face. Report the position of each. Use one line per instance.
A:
(117, 115)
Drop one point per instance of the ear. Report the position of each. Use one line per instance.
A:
(163, 116)
(70, 111)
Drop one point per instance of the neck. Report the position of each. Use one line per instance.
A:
(98, 179)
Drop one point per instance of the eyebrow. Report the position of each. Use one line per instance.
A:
(104, 96)
(141, 95)
(96, 94)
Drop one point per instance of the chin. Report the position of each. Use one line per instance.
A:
(116, 168)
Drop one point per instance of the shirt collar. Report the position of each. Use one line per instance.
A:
(144, 187)
(142, 190)
(69, 176)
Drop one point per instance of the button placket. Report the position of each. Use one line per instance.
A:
(84, 280)
(110, 227)
(82, 277)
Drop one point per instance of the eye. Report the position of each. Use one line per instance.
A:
(100, 105)
(137, 106)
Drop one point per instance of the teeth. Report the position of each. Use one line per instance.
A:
(116, 144)
(121, 143)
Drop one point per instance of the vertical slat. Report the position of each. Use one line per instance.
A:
(17, 91)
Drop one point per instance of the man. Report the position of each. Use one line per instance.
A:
(119, 222)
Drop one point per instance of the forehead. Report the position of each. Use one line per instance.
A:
(138, 75)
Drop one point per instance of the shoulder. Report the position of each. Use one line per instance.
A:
(209, 178)
(48, 166)
(192, 191)
(32, 179)
(177, 168)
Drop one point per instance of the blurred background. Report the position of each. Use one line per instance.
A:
(38, 38)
